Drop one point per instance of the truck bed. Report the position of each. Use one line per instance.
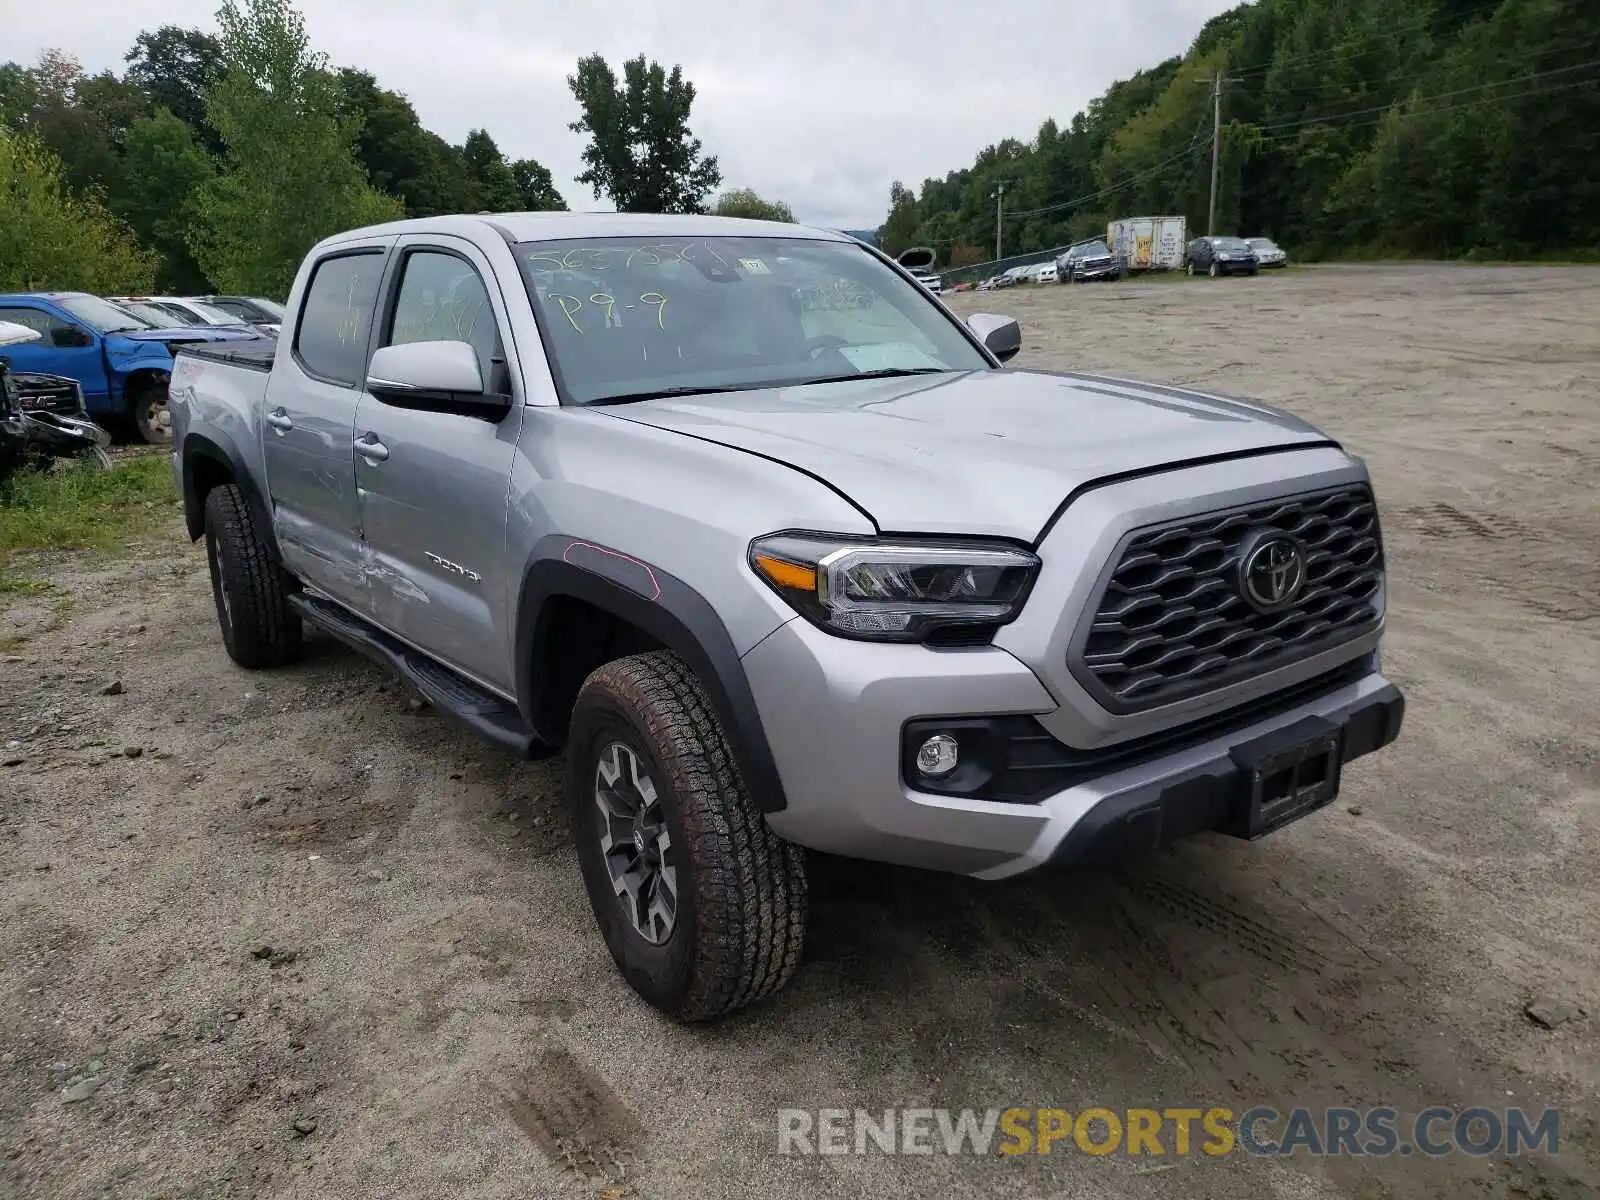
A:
(256, 355)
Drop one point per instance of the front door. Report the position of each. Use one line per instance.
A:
(433, 484)
(63, 348)
(309, 423)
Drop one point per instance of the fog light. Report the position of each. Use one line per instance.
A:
(938, 756)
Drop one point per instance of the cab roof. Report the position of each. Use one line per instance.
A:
(555, 226)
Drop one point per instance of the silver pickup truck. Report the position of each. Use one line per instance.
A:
(761, 535)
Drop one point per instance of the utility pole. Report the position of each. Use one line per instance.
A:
(999, 217)
(1216, 146)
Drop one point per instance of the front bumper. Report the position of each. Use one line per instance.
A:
(1098, 271)
(835, 712)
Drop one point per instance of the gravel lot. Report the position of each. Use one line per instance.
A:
(286, 934)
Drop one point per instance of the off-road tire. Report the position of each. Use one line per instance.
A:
(742, 896)
(147, 408)
(250, 588)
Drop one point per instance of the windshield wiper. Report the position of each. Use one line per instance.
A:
(664, 393)
(885, 373)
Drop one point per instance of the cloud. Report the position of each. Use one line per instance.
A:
(819, 103)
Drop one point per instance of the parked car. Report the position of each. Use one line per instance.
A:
(192, 313)
(120, 360)
(930, 280)
(1046, 273)
(42, 416)
(640, 518)
(257, 310)
(1088, 260)
(1268, 252)
(1216, 256)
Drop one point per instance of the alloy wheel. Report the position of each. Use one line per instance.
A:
(635, 842)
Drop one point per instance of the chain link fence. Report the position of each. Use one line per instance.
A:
(975, 272)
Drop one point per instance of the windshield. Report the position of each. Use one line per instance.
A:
(102, 316)
(271, 307)
(1262, 243)
(1227, 243)
(627, 318)
(1092, 249)
(155, 318)
(210, 313)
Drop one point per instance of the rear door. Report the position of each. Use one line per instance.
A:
(309, 421)
(433, 485)
(64, 348)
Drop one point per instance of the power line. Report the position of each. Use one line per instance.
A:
(1324, 118)
(1406, 115)
(1431, 28)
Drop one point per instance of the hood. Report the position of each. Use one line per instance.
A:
(978, 452)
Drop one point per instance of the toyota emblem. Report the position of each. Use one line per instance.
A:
(1272, 572)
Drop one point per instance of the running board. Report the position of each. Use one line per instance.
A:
(495, 720)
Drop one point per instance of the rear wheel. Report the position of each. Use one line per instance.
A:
(702, 906)
(250, 588)
(1189, 268)
(150, 416)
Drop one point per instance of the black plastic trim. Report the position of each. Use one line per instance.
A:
(495, 720)
(1050, 766)
(1212, 796)
(197, 446)
(667, 610)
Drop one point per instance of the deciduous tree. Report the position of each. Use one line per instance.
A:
(744, 202)
(290, 175)
(641, 152)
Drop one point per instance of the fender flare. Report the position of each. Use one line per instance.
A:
(119, 374)
(665, 608)
(197, 447)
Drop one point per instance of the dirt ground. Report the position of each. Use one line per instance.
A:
(286, 934)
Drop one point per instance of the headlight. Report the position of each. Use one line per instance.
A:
(900, 591)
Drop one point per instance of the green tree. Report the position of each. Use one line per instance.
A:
(641, 152)
(494, 187)
(175, 68)
(164, 172)
(743, 202)
(50, 238)
(536, 188)
(400, 156)
(290, 175)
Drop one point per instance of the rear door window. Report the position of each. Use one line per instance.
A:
(330, 340)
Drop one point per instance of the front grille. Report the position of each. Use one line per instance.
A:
(45, 393)
(1171, 621)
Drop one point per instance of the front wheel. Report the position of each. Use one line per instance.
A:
(150, 415)
(702, 906)
(1215, 270)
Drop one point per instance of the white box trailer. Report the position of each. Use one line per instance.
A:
(1149, 243)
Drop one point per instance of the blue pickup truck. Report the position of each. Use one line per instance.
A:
(122, 362)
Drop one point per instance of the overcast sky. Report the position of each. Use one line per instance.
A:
(817, 102)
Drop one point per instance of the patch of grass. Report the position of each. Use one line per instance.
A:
(18, 586)
(75, 507)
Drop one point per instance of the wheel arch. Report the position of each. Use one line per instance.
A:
(207, 464)
(651, 609)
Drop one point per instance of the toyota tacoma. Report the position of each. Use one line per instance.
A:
(764, 539)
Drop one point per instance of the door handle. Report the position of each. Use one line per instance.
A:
(280, 419)
(370, 448)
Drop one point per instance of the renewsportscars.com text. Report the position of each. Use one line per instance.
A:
(1263, 1131)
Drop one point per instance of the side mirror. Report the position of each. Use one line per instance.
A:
(1002, 336)
(441, 376)
(69, 337)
